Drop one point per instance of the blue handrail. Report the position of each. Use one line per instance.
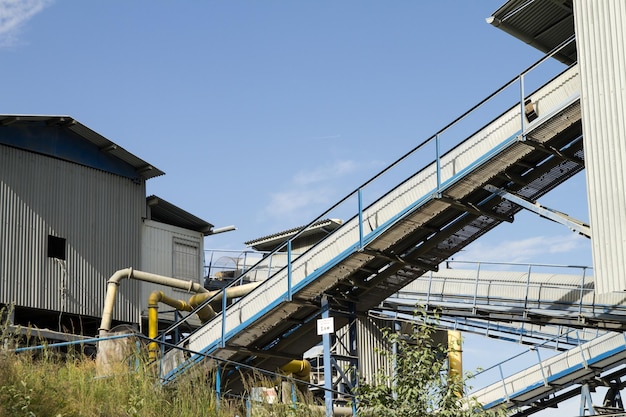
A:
(286, 247)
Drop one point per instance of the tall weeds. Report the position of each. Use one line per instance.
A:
(46, 383)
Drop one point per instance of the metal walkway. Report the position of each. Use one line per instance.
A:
(529, 391)
(532, 297)
(555, 310)
(403, 233)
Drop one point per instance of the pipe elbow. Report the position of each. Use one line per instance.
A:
(184, 306)
(154, 298)
(120, 275)
(300, 369)
(196, 300)
(305, 371)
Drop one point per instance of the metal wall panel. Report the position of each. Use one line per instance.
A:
(99, 215)
(157, 251)
(601, 38)
(370, 345)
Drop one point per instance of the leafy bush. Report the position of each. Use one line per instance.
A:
(421, 384)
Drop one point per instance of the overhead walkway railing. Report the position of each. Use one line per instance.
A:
(536, 294)
(402, 223)
(551, 375)
(555, 337)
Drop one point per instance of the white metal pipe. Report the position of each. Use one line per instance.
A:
(114, 282)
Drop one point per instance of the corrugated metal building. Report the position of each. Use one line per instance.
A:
(599, 29)
(172, 246)
(73, 210)
(601, 37)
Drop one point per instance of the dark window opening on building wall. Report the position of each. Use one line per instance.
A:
(56, 247)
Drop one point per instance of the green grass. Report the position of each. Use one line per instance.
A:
(48, 383)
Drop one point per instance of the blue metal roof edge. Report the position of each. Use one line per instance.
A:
(65, 138)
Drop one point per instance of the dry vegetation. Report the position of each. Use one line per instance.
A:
(48, 383)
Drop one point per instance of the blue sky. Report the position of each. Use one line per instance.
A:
(264, 113)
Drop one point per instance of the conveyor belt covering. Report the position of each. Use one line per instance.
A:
(406, 232)
(567, 299)
(575, 366)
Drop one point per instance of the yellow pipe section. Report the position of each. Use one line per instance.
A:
(205, 313)
(455, 357)
(208, 312)
(300, 369)
(153, 317)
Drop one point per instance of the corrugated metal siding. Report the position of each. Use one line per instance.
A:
(541, 24)
(98, 214)
(370, 343)
(601, 34)
(157, 253)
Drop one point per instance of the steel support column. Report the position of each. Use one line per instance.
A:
(328, 374)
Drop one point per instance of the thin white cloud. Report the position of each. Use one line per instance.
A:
(297, 204)
(325, 173)
(523, 250)
(309, 192)
(13, 16)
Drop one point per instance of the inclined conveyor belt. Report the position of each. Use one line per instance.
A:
(405, 233)
(538, 304)
(522, 297)
(575, 366)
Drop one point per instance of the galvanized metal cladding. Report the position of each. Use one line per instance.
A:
(96, 215)
(74, 210)
(604, 104)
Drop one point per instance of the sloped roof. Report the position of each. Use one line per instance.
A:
(66, 138)
(166, 212)
(272, 241)
(543, 24)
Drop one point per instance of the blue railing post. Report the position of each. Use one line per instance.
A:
(582, 294)
(430, 284)
(269, 265)
(289, 293)
(506, 394)
(522, 112)
(360, 203)
(218, 387)
(540, 362)
(328, 374)
(527, 291)
(438, 159)
(223, 341)
(474, 308)
(582, 352)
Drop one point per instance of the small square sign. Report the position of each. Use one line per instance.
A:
(325, 326)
